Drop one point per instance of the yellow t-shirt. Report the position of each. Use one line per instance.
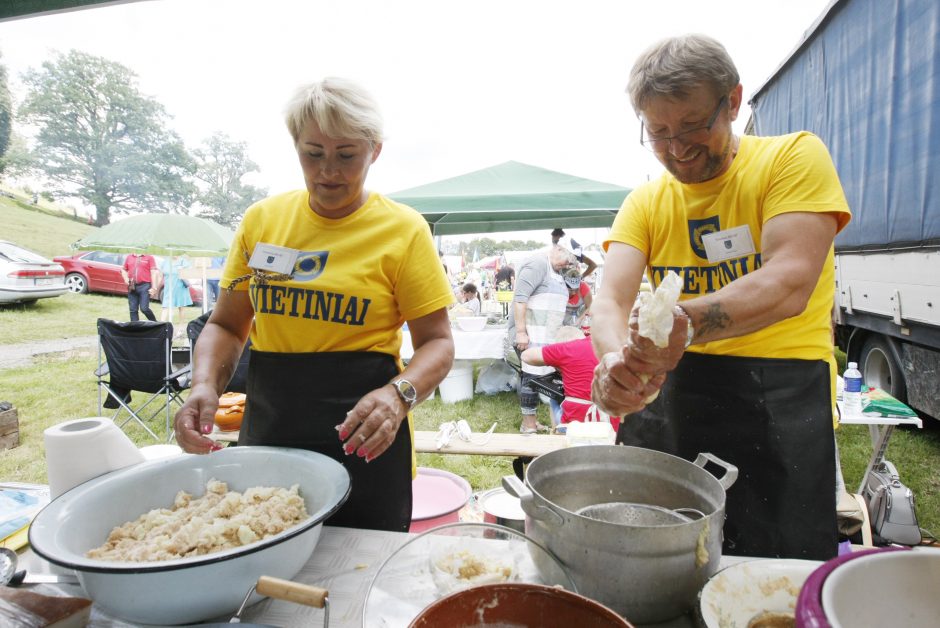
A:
(666, 219)
(356, 280)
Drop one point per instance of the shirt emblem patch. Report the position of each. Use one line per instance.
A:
(698, 228)
(310, 265)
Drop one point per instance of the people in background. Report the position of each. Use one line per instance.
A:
(573, 356)
(536, 313)
(212, 283)
(175, 291)
(590, 265)
(142, 277)
(329, 378)
(470, 298)
(505, 278)
(749, 223)
(579, 298)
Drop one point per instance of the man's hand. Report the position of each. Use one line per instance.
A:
(618, 390)
(643, 354)
(522, 340)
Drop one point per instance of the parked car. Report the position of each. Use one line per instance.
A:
(100, 271)
(26, 276)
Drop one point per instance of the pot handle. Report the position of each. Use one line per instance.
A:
(731, 471)
(288, 591)
(516, 488)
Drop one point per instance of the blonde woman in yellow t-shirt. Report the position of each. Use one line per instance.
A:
(748, 223)
(326, 324)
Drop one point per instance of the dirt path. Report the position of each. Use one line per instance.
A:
(13, 356)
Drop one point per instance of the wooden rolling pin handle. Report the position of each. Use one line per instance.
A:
(292, 591)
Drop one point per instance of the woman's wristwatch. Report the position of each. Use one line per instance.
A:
(406, 391)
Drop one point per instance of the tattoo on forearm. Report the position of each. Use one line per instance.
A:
(714, 319)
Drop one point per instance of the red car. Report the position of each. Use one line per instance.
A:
(100, 271)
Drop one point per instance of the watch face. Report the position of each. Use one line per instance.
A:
(407, 391)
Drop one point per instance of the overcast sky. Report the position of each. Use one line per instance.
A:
(462, 85)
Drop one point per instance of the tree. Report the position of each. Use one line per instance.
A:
(221, 164)
(17, 161)
(100, 140)
(6, 115)
(488, 246)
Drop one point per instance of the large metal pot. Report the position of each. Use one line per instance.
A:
(647, 573)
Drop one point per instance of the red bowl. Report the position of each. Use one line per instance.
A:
(517, 604)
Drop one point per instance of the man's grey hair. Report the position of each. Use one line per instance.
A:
(340, 107)
(559, 253)
(675, 66)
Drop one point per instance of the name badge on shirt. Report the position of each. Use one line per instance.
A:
(728, 244)
(274, 259)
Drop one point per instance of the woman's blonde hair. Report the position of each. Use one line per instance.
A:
(675, 66)
(340, 107)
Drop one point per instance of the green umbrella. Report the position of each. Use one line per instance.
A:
(160, 234)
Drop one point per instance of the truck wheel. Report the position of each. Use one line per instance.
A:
(880, 369)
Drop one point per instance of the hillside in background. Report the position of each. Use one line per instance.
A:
(44, 231)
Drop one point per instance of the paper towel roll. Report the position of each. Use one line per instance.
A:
(82, 449)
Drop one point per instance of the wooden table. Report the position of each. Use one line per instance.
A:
(498, 443)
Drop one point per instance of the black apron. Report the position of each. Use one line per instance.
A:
(771, 418)
(297, 399)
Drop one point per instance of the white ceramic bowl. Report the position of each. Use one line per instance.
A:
(885, 589)
(189, 589)
(471, 323)
(739, 593)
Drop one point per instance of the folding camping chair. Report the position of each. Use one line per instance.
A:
(239, 380)
(137, 357)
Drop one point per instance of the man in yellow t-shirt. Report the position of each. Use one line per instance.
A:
(748, 223)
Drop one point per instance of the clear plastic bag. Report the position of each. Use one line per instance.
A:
(497, 377)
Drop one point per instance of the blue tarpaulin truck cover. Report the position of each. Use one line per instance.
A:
(866, 79)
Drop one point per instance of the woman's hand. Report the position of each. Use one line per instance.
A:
(372, 425)
(522, 340)
(195, 419)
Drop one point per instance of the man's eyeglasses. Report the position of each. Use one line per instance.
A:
(692, 136)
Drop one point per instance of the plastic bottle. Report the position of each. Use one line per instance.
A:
(852, 392)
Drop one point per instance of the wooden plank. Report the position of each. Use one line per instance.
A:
(498, 443)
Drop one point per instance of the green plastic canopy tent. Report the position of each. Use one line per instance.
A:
(160, 234)
(12, 9)
(513, 196)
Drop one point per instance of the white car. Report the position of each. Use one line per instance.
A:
(26, 276)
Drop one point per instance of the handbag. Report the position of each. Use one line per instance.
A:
(890, 507)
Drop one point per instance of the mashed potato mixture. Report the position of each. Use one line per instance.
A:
(219, 520)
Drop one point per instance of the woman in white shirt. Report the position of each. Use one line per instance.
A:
(470, 298)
